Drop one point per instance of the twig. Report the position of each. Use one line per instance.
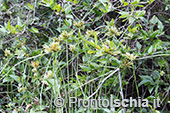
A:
(165, 97)
(103, 82)
(152, 56)
(121, 89)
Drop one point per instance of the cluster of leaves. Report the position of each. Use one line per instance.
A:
(51, 49)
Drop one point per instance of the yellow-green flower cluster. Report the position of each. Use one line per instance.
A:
(114, 30)
(20, 89)
(162, 73)
(91, 33)
(35, 66)
(126, 63)
(66, 35)
(130, 56)
(54, 46)
(7, 52)
(79, 24)
(59, 39)
(72, 48)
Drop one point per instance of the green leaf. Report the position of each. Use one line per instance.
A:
(115, 61)
(68, 9)
(8, 26)
(99, 53)
(139, 6)
(154, 20)
(59, 8)
(125, 3)
(3, 29)
(94, 65)
(146, 80)
(69, 16)
(34, 30)
(150, 88)
(85, 68)
(91, 52)
(112, 22)
(144, 33)
(167, 36)
(6, 79)
(150, 49)
(95, 37)
(154, 34)
(16, 78)
(135, 2)
(124, 14)
(104, 0)
(131, 20)
(54, 6)
(160, 25)
(150, 1)
(138, 45)
(139, 13)
(30, 6)
(19, 21)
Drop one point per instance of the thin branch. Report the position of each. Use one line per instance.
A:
(103, 82)
(121, 89)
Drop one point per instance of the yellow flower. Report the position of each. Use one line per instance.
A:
(7, 53)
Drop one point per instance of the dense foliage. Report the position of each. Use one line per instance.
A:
(84, 49)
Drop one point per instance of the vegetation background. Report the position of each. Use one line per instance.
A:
(84, 49)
